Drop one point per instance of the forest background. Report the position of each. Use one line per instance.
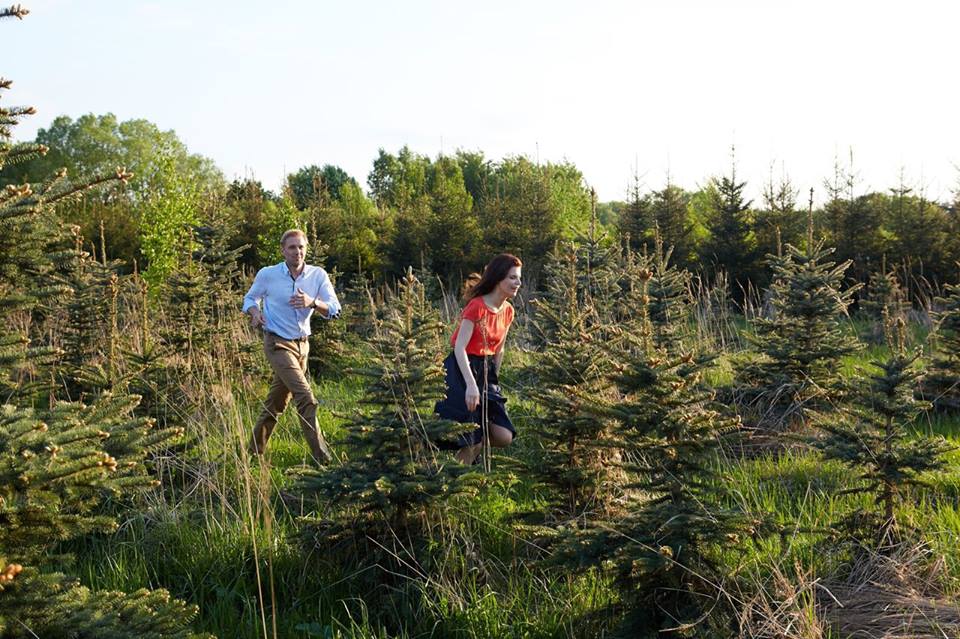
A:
(446, 215)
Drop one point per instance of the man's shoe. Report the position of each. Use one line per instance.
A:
(322, 454)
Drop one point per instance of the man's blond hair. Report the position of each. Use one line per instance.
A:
(292, 233)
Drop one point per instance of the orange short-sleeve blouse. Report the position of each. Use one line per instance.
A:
(490, 329)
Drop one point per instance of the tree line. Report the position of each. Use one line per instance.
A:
(447, 214)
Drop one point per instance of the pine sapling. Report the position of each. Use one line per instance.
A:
(874, 437)
(801, 345)
(661, 549)
(574, 466)
(393, 478)
(941, 385)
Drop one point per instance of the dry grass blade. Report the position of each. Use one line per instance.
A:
(897, 594)
(783, 608)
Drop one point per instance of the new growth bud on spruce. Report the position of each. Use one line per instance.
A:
(9, 573)
(17, 11)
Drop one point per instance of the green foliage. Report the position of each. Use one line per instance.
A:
(574, 465)
(221, 267)
(669, 211)
(659, 549)
(778, 222)
(315, 186)
(52, 605)
(59, 466)
(634, 221)
(353, 231)
(452, 213)
(87, 314)
(170, 210)
(187, 297)
(884, 297)
(852, 222)
(393, 475)
(56, 468)
(278, 217)
(451, 218)
(667, 299)
(661, 216)
(435, 223)
(477, 172)
(94, 145)
(918, 232)
(802, 342)
(149, 371)
(941, 385)
(884, 303)
(731, 245)
(244, 217)
(399, 181)
(528, 207)
(874, 438)
(97, 145)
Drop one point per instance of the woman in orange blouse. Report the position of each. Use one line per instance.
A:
(473, 386)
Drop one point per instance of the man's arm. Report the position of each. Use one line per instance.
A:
(251, 301)
(326, 301)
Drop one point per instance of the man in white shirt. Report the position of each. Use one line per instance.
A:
(289, 293)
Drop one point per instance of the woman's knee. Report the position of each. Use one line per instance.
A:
(500, 437)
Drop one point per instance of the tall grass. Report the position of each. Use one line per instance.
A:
(224, 531)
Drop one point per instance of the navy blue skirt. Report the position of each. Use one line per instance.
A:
(454, 405)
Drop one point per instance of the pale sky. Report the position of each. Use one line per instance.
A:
(264, 88)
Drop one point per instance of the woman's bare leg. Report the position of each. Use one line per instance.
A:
(500, 437)
(468, 454)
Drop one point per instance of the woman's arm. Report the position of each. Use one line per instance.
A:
(472, 395)
(498, 356)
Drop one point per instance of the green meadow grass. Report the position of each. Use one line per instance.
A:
(224, 533)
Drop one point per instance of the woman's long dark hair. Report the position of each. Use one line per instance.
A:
(493, 273)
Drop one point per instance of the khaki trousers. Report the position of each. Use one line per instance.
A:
(288, 359)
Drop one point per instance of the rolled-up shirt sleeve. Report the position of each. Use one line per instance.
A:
(256, 292)
(328, 296)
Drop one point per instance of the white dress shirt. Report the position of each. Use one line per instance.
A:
(273, 286)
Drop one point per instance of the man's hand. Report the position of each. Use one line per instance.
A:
(301, 299)
(257, 320)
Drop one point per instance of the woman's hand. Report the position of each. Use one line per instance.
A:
(472, 397)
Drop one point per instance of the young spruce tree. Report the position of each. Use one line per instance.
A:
(660, 551)
(667, 297)
(86, 312)
(874, 438)
(597, 285)
(802, 343)
(54, 472)
(574, 465)
(393, 477)
(941, 385)
(58, 464)
(884, 300)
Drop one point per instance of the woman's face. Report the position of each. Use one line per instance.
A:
(511, 283)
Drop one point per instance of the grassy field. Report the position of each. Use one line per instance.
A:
(225, 532)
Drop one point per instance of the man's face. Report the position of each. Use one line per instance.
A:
(295, 252)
